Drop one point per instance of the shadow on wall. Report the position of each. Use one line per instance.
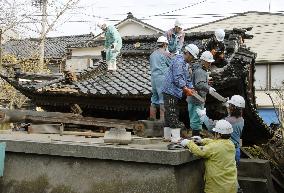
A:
(39, 185)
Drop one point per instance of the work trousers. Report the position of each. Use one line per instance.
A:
(172, 112)
(195, 122)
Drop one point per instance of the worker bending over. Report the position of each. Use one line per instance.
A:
(112, 45)
(235, 110)
(219, 154)
(159, 63)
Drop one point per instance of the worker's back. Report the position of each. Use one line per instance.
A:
(220, 167)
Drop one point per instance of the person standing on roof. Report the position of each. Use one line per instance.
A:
(112, 45)
(217, 47)
(235, 110)
(219, 154)
(175, 37)
(177, 82)
(200, 84)
(159, 63)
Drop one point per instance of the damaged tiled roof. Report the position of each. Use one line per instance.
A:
(267, 29)
(54, 46)
(132, 77)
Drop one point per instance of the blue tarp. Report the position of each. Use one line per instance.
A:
(268, 115)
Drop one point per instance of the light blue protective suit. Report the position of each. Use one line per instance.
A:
(159, 63)
(112, 37)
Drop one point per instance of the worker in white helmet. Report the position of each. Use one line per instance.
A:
(159, 63)
(201, 86)
(177, 83)
(235, 111)
(219, 155)
(112, 45)
(175, 37)
(217, 47)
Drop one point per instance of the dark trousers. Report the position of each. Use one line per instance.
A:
(172, 112)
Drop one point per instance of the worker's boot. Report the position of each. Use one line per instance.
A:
(109, 65)
(113, 63)
(195, 133)
(175, 135)
(153, 112)
(162, 112)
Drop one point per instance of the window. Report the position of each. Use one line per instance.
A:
(276, 78)
(260, 77)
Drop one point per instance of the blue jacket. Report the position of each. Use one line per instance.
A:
(237, 123)
(177, 77)
(159, 63)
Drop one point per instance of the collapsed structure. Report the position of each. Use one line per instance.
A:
(125, 94)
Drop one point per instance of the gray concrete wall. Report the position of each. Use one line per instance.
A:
(33, 173)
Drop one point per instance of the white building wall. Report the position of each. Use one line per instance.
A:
(135, 29)
(80, 52)
(77, 65)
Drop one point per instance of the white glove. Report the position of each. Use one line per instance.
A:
(226, 104)
(211, 90)
(201, 112)
(184, 142)
(196, 139)
(177, 53)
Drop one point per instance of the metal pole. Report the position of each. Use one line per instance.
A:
(42, 36)
(0, 48)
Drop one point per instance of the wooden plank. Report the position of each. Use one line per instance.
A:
(44, 128)
(84, 133)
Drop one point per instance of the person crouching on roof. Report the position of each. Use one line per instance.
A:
(219, 154)
(200, 84)
(159, 63)
(177, 82)
(112, 45)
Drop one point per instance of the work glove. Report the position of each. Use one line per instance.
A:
(226, 104)
(177, 53)
(196, 139)
(184, 142)
(211, 90)
(188, 91)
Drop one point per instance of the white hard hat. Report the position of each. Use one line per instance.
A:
(220, 34)
(101, 22)
(178, 23)
(223, 127)
(207, 56)
(193, 50)
(162, 39)
(238, 101)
